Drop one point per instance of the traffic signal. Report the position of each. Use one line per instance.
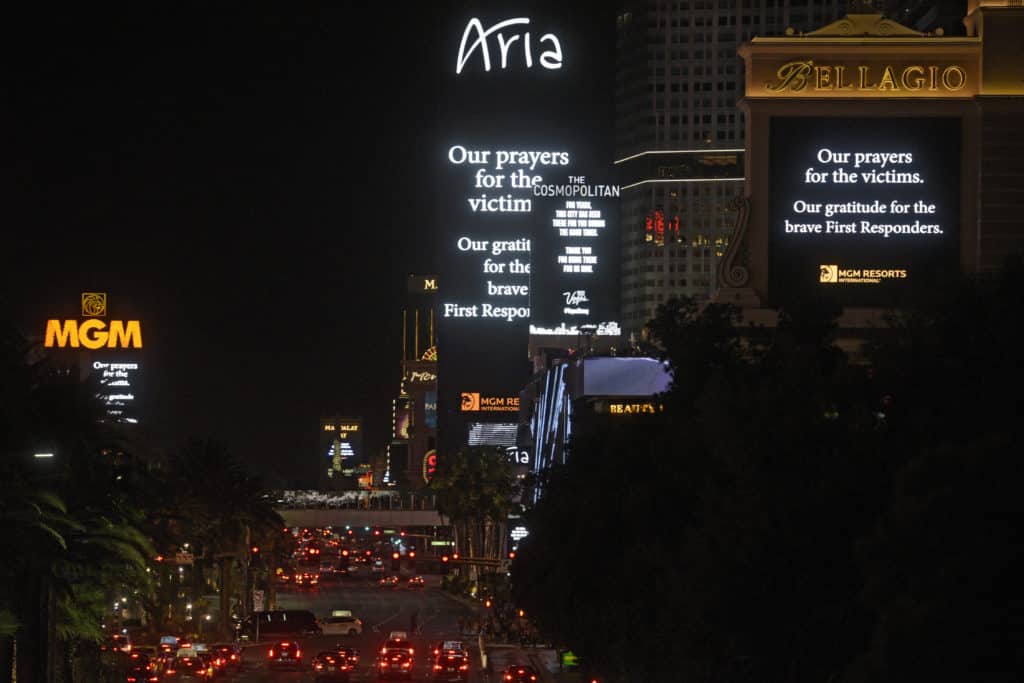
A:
(412, 560)
(487, 603)
(376, 532)
(444, 564)
(512, 555)
(255, 550)
(395, 559)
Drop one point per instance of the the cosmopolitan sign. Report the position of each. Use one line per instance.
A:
(503, 36)
(506, 180)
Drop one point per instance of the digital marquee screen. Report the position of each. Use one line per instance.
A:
(863, 210)
(526, 202)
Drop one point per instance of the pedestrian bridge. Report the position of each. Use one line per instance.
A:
(356, 508)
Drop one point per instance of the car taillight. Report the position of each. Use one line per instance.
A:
(131, 679)
(508, 677)
(298, 654)
(234, 657)
(318, 666)
(271, 653)
(154, 679)
(533, 678)
(464, 667)
(170, 671)
(437, 667)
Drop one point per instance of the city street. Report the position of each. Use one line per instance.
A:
(382, 610)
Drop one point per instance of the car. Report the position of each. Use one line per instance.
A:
(307, 579)
(519, 673)
(140, 668)
(450, 665)
(285, 653)
(329, 667)
(187, 669)
(378, 566)
(417, 582)
(449, 645)
(230, 653)
(350, 654)
(214, 664)
(169, 643)
(150, 651)
(164, 661)
(342, 625)
(398, 641)
(395, 664)
(277, 623)
(389, 581)
(116, 642)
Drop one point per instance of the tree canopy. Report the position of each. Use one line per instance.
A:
(798, 513)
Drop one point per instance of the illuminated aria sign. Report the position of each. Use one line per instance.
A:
(477, 40)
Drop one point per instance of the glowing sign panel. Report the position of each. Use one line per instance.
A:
(93, 334)
(862, 209)
(481, 44)
(473, 402)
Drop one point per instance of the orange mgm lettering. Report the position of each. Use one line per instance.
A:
(93, 334)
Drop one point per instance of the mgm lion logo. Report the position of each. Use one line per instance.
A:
(94, 304)
(470, 401)
(828, 273)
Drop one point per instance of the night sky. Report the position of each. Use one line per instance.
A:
(252, 181)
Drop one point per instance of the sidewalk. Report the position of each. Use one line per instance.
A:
(496, 656)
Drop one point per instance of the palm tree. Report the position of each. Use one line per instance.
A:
(67, 532)
(475, 490)
(220, 508)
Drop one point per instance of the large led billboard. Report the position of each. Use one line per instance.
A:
(526, 205)
(863, 210)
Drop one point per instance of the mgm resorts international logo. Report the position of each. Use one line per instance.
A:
(474, 402)
(834, 274)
